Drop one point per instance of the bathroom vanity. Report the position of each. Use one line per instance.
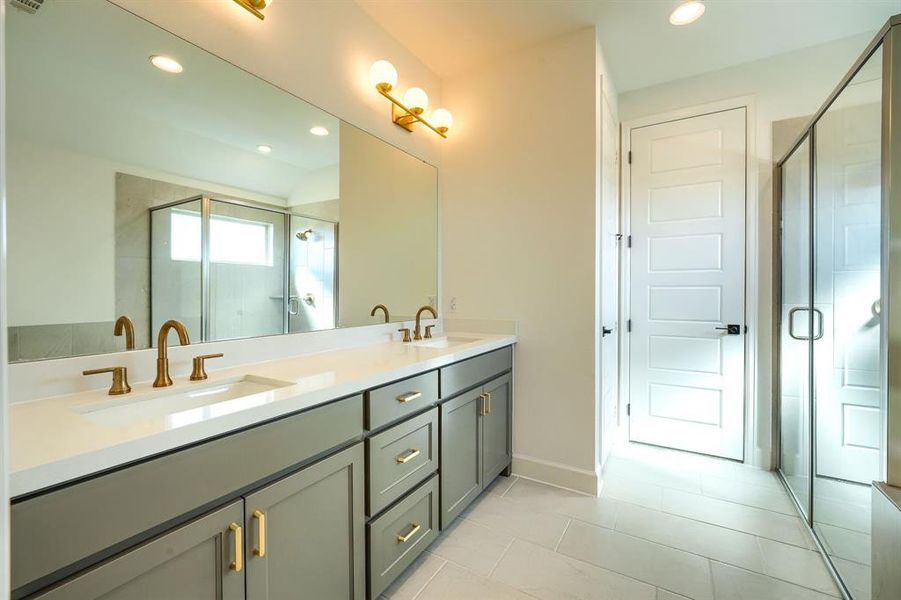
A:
(333, 497)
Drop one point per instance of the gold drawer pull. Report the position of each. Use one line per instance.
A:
(409, 397)
(408, 456)
(483, 405)
(403, 538)
(238, 563)
(488, 395)
(260, 517)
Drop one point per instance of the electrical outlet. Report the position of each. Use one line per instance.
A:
(453, 304)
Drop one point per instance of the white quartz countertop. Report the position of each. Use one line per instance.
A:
(55, 440)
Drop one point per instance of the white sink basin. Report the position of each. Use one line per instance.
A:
(185, 403)
(446, 342)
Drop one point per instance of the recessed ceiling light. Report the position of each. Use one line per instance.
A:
(165, 63)
(319, 130)
(264, 148)
(687, 12)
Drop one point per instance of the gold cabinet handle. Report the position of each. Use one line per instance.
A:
(488, 396)
(409, 397)
(408, 456)
(238, 564)
(260, 518)
(403, 538)
(483, 405)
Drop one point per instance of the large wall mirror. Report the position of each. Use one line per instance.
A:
(208, 196)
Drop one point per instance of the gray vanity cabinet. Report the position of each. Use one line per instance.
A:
(461, 454)
(306, 533)
(195, 561)
(496, 428)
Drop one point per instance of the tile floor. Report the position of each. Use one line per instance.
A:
(668, 526)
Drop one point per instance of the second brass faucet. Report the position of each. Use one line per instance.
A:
(162, 360)
(417, 332)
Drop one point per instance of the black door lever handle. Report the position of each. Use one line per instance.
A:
(731, 329)
(605, 331)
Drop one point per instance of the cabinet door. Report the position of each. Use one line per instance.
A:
(496, 430)
(305, 533)
(194, 561)
(461, 475)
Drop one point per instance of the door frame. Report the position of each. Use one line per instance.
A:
(756, 411)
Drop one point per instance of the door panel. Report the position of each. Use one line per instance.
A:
(687, 280)
(461, 473)
(610, 259)
(313, 532)
(496, 430)
(190, 562)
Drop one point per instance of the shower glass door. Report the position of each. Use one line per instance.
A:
(797, 323)
(847, 360)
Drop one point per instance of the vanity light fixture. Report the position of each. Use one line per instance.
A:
(687, 12)
(255, 6)
(319, 130)
(264, 148)
(406, 113)
(166, 63)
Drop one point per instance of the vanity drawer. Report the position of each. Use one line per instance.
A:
(397, 400)
(401, 534)
(63, 531)
(400, 458)
(463, 375)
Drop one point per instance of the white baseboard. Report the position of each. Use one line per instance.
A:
(560, 475)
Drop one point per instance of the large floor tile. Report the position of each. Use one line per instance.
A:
(518, 519)
(600, 511)
(659, 473)
(797, 565)
(415, 578)
(764, 523)
(545, 574)
(732, 583)
(501, 484)
(751, 494)
(646, 561)
(628, 490)
(712, 541)
(472, 545)
(456, 583)
(663, 594)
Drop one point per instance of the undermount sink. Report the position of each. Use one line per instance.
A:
(185, 403)
(446, 342)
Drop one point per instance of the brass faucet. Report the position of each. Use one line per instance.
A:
(162, 360)
(417, 332)
(381, 307)
(126, 326)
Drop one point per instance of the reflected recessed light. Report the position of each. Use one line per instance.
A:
(687, 12)
(264, 148)
(319, 130)
(164, 63)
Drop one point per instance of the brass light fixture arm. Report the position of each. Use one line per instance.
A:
(409, 115)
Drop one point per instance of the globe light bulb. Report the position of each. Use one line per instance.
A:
(383, 75)
(416, 100)
(441, 119)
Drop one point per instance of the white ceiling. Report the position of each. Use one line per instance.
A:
(641, 47)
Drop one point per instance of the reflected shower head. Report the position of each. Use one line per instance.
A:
(305, 235)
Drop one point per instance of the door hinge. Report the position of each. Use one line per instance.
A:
(630, 157)
(629, 410)
(628, 241)
(629, 326)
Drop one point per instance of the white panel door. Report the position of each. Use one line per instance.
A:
(847, 287)
(687, 272)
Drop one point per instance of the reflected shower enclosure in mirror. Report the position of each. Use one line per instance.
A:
(201, 196)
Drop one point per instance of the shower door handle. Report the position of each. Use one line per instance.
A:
(791, 323)
(293, 306)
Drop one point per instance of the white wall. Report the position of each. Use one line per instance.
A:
(319, 51)
(519, 191)
(784, 86)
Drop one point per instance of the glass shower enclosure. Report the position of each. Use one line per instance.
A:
(240, 270)
(835, 201)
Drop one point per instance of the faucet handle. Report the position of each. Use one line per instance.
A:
(198, 373)
(428, 331)
(406, 332)
(120, 379)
